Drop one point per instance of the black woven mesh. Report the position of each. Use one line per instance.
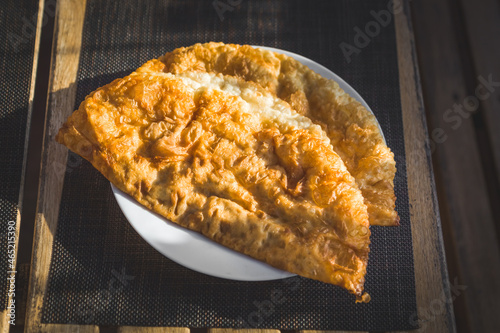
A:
(94, 243)
(17, 39)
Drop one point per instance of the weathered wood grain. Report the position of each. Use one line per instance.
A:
(482, 26)
(4, 319)
(227, 330)
(68, 31)
(463, 193)
(431, 276)
(61, 328)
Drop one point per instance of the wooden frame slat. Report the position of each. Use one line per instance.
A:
(62, 89)
(63, 328)
(431, 275)
(467, 215)
(4, 319)
(243, 330)
(481, 24)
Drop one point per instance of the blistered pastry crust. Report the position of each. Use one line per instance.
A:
(352, 129)
(195, 150)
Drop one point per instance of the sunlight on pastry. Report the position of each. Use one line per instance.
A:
(254, 151)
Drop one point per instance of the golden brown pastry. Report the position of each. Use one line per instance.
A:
(352, 129)
(224, 157)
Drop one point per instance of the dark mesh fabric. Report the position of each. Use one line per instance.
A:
(103, 273)
(17, 40)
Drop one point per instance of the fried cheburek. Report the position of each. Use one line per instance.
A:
(226, 158)
(352, 129)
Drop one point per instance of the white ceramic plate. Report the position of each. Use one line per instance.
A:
(195, 251)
